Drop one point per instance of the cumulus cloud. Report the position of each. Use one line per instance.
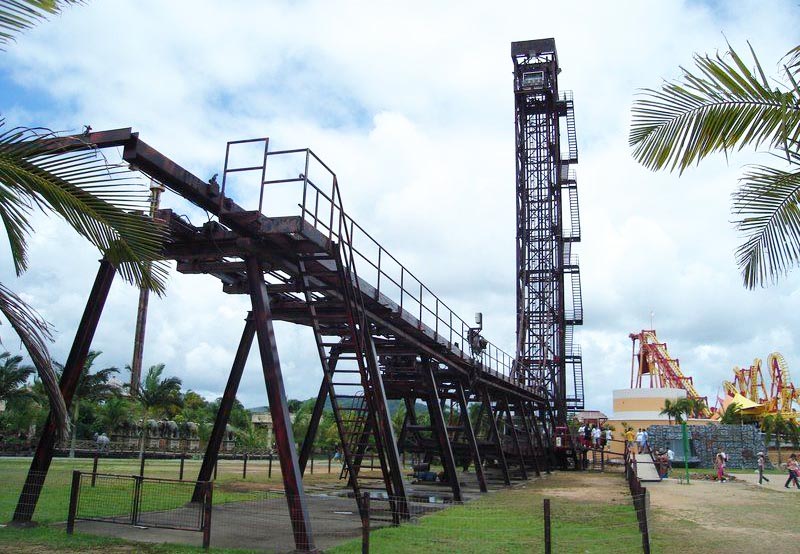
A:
(412, 107)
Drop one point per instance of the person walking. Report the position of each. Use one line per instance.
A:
(720, 463)
(596, 437)
(639, 439)
(630, 438)
(645, 440)
(761, 463)
(794, 469)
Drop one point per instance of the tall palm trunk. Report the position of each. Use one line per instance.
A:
(74, 429)
(143, 438)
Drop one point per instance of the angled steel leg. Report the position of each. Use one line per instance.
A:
(40, 464)
(514, 436)
(440, 430)
(521, 405)
(224, 411)
(316, 415)
(469, 432)
(495, 435)
(278, 407)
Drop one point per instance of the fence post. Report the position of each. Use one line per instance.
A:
(180, 475)
(207, 505)
(216, 464)
(312, 462)
(137, 495)
(141, 464)
(329, 463)
(547, 538)
(269, 471)
(94, 468)
(244, 467)
(365, 523)
(73, 500)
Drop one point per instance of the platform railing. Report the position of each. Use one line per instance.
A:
(321, 209)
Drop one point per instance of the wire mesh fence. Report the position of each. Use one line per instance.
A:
(135, 500)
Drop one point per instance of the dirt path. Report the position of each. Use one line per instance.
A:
(723, 517)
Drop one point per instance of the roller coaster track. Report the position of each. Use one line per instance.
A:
(664, 371)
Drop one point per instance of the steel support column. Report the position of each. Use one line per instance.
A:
(469, 432)
(495, 434)
(440, 429)
(40, 464)
(224, 411)
(278, 407)
(515, 437)
(521, 405)
(316, 414)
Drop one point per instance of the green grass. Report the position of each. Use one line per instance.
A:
(508, 521)
(511, 521)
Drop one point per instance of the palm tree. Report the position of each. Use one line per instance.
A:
(114, 412)
(156, 393)
(76, 183)
(13, 377)
(92, 387)
(670, 410)
(774, 427)
(726, 106)
(731, 414)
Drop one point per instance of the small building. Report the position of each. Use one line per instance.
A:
(261, 418)
(641, 407)
(591, 417)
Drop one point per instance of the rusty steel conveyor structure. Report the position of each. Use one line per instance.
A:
(380, 333)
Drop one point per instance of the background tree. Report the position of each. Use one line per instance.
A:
(156, 394)
(724, 106)
(113, 413)
(777, 428)
(732, 414)
(92, 388)
(13, 377)
(94, 197)
(671, 410)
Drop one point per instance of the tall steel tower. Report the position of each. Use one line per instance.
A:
(549, 300)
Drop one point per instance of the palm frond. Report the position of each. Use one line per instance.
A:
(767, 203)
(17, 16)
(96, 198)
(722, 107)
(34, 332)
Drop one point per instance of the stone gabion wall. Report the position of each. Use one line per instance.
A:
(740, 443)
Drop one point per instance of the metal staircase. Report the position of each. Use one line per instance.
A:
(350, 367)
(572, 135)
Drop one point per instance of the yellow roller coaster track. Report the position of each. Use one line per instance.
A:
(783, 393)
(654, 359)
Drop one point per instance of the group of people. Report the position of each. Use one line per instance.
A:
(664, 459)
(637, 439)
(592, 436)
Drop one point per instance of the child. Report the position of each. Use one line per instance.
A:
(720, 462)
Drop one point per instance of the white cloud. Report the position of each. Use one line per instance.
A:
(412, 107)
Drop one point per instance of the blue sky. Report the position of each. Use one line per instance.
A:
(412, 106)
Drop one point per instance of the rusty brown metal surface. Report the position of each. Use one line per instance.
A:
(76, 359)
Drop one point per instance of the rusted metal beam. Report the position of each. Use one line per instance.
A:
(279, 408)
(515, 438)
(225, 407)
(495, 435)
(520, 405)
(76, 359)
(469, 433)
(316, 415)
(440, 430)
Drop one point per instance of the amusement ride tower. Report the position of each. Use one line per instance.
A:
(549, 301)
